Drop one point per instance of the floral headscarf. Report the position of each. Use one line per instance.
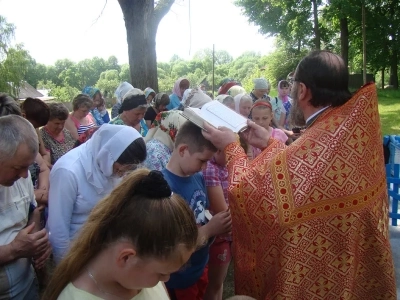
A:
(196, 98)
(90, 91)
(165, 127)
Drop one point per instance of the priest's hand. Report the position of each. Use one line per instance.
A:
(256, 135)
(220, 137)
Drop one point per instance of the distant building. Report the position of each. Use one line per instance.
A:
(26, 91)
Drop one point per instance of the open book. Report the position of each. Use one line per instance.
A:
(216, 114)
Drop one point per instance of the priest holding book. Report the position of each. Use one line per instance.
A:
(310, 221)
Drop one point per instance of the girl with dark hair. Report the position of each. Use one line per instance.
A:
(131, 243)
(86, 174)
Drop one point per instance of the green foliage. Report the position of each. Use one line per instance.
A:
(6, 35)
(389, 111)
(14, 61)
(13, 69)
(108, 82)
(124, 74)
(280, 63)
(64, 93)
(289, 19)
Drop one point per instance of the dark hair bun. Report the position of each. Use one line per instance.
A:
(154, 186)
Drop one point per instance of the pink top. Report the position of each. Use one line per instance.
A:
(276, 134)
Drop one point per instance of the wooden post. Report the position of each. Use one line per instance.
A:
(213, 69)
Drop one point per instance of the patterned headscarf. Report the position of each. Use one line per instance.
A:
(157, 99)
(165, 127)
(132, 99)
(196, 98)
(90, 91)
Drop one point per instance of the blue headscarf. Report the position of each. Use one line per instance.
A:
(91, 91)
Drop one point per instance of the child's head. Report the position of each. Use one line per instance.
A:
(226, 100)
(283, 89)
(143, 230)
(243, 103)
(261, 87)
(192, 149)
(35, 111)
(261, 113)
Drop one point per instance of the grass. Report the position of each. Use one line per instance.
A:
(389, 111)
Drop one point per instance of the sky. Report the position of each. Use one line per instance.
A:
(80, 29)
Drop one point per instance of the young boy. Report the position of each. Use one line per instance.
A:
(190, 156)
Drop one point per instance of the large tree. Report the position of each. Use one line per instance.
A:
(295, 22)
(14, 61)
(142, 18)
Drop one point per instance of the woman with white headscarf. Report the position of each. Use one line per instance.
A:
(194, 98)
(84, 176)
(120, 92)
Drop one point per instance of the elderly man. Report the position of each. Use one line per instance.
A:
(310, 221)
(20, 239)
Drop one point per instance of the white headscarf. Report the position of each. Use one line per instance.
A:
(196, 98)
(185, 96)
(122, 90)
(99, 154)
(237, 99)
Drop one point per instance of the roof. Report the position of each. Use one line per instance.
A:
(26, 90)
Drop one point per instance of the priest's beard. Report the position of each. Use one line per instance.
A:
(296, 115)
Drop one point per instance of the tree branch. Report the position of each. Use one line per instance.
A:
(162, 8)
(101, 13)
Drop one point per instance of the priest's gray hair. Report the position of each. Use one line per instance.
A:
(14, 131)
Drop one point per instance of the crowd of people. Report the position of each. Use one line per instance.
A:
(147, 205)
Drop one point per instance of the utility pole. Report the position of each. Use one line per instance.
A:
(213, 68)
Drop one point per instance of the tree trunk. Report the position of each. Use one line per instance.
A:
(344, 40)
(364, 41)
(141, 23)
(316, 26)
(394, 58)
(394, 79)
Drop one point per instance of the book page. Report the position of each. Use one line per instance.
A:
(218, 115)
